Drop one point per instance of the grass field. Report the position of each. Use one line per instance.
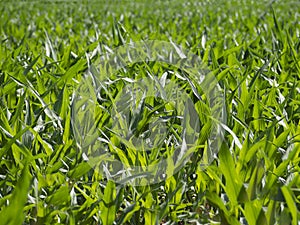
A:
(80, 103)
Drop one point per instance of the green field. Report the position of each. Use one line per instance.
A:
(93, 125)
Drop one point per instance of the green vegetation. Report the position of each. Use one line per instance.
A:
(253, 50)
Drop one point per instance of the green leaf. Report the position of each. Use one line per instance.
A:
(13, 214)
(291, 204)
(233, 182)
(252, 211)
(128, 213)
(61, 196)
(107, 205)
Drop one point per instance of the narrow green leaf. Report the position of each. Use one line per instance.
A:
(13, 214)
(291, 204)
(107, 205)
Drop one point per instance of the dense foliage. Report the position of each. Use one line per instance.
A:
(253, 50)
